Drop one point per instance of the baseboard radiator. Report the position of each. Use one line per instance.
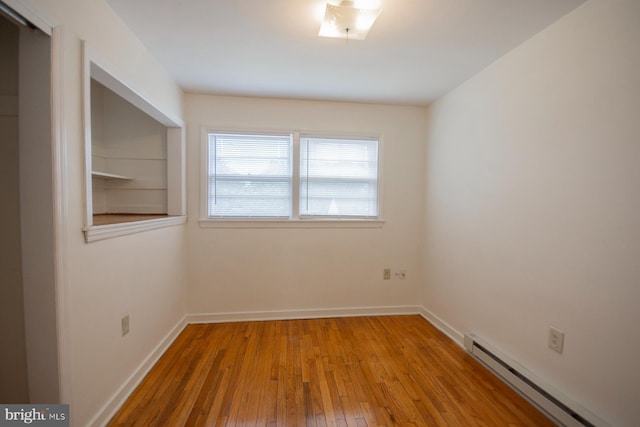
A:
(557, 407)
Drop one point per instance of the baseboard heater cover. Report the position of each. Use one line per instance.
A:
(557, 407)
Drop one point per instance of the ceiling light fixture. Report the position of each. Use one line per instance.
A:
(346, 21)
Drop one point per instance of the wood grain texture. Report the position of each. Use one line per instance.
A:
(360, 371)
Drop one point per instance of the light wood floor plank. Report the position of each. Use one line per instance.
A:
(353, 372)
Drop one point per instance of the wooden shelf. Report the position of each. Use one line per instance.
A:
(104, 175)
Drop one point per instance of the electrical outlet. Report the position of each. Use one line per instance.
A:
(401, 274)
(386, 275)
(556, 339)
(125, 325)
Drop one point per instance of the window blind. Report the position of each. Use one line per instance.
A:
(338, 177)
(249, 175)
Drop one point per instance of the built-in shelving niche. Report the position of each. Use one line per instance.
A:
(134, 158)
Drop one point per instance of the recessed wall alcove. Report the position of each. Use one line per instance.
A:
(134, 158)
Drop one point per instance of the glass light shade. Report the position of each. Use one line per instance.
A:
(347, 22)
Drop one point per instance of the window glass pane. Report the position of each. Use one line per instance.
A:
(338, 177)
(249, 175)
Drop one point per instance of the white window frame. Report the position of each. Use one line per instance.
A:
(295, 221)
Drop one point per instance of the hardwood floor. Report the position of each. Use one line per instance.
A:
(359, 371)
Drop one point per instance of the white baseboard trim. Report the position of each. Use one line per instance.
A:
(302, 314)
(109, 409)
(443, 326)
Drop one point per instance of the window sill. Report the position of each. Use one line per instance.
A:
(291, 223)
(95, 233)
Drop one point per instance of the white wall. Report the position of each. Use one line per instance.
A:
(251, 270)
(98, 149)
(533, 208)
(142, 275)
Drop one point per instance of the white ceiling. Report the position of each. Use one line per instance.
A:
(415, 52)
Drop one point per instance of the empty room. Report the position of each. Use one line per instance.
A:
(319, 212)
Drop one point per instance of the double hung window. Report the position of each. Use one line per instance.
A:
(290, 176)
(338, 177)
(249, 176)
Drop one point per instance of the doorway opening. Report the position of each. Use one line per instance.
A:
(29, 360)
